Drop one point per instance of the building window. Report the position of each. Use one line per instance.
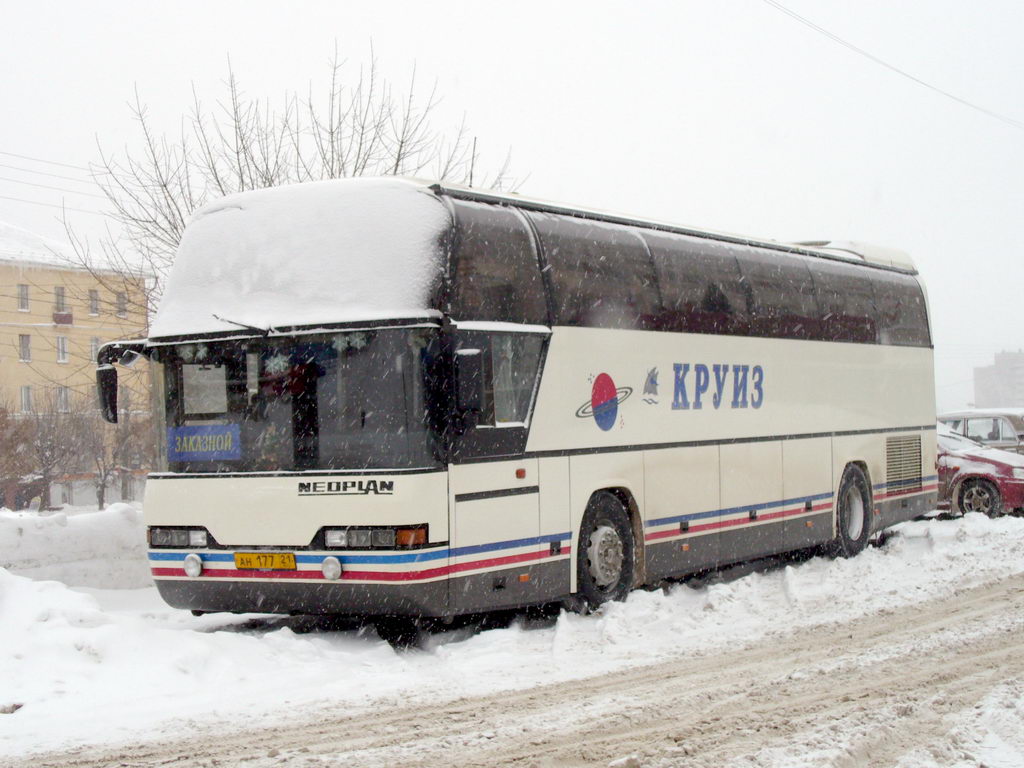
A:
(22, 298)
(24, 347)
(26, 399)
(94, 302)
(94, 348)
(122, 305)
(60, 303)
(63, 400)
(62, 349)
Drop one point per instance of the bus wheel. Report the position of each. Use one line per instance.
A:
(604, 561)
(980, 496)
(400, 632)
(854, 518)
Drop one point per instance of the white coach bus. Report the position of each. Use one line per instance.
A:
(382, 397)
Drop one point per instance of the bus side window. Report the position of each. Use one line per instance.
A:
(902, 315)
(699, 282)
(510, 365)
(514, 361)
(847, 303)
(496, 273)
(780, 295)
(601, 274)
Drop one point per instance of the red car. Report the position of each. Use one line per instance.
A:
(975, 478)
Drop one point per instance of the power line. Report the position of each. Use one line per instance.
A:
(47, 186)
(44, 173)
(50, 205)
(1018, 124)
(48, 162)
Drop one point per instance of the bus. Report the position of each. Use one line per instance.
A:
(397, 398)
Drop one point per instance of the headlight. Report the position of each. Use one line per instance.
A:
(178, 537)
(335, 537)
(1018, 472)
(358, 537)
(168, 537)
(377, 537)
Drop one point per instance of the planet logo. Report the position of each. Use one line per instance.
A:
(604, 402)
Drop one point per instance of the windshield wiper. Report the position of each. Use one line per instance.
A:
(260, 331)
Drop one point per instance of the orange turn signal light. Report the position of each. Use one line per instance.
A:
(410, 537)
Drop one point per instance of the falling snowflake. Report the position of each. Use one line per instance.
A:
(277, 364)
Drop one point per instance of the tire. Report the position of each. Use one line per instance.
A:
(853, 514)
(604, 555)
(400, 632)
(980, 496)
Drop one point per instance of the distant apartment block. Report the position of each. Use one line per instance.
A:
(1000, 385)
(54, 316)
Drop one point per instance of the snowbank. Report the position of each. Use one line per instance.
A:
(79, 547)
(94, 665)
(305, 254)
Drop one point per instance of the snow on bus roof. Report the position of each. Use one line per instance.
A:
(306, 254)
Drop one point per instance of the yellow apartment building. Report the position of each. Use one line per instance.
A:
(53, 318)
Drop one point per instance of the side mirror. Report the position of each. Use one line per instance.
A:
(469, 380)
(106, 388)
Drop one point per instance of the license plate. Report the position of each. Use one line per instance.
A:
(265, 561)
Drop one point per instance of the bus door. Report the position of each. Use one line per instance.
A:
(493, 491)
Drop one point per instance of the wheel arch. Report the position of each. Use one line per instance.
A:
(958, 484)
(627, 498)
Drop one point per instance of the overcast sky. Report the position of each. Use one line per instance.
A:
(728, 115)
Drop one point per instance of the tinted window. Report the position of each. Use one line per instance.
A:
(902, 315)
(699, 282)
(779, 295)
(847, 302)
(601, 274)
(497, 276)
(513, 363)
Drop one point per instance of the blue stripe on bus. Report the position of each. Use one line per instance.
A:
(734, 510)
(410, 557)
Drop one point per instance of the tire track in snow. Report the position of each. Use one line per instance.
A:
(847, 694)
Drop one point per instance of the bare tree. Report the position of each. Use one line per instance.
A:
(15, 456)
(363, 126)
(112, 452)
(51, 441)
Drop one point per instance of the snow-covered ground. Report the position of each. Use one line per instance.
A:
(92, 655)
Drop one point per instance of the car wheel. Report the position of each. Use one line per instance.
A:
(853, 513)
(980, 496)
(604, 559)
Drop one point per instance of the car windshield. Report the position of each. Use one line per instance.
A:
(353, 400)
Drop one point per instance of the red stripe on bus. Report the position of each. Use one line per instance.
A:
(737, 521)
(907, 492)
(429, 573)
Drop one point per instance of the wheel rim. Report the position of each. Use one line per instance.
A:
(977, 499)
(605, 556)
(854, 513)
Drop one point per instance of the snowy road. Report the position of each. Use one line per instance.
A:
(909, 655)
(906, 688)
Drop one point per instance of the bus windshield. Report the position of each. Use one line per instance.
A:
(352, 400)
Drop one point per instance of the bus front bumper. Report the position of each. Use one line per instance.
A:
(318, 598)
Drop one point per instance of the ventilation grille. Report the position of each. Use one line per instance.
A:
(903, 464)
